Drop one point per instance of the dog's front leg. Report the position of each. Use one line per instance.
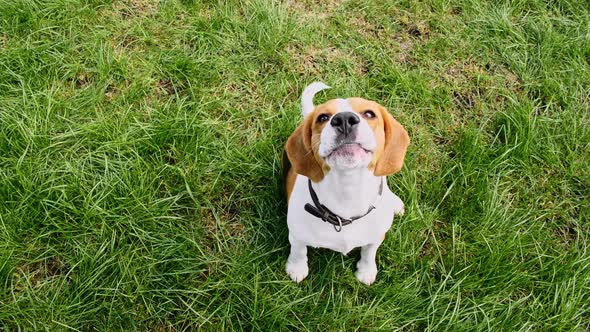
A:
(366, 267)
(297, 261)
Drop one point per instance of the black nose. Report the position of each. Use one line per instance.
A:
(344, 122)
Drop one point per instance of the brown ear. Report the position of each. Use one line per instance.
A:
(300, 153)
(395, 145)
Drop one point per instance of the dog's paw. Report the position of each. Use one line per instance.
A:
(297, 271)
(398, 206)
(366, 274)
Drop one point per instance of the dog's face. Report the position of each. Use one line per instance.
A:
(345, 134)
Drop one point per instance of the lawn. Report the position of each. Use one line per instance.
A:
(140, 180)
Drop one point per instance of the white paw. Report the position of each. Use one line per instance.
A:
(400, 212)
(398, 206)
(297, 271)
(366, 274)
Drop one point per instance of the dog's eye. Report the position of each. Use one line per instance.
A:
(368, 114)
(323, 118)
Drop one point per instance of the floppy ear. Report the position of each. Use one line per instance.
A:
(300, 153)
(395, 145)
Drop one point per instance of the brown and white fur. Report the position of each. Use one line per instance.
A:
(346, 166)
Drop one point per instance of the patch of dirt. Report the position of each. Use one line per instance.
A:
(3, 40)
(425, 250)
(165, 86)
(442, 140)
(244, 92)
(511, 80)
(222, 230)
(135, 8)
(465, 100)
(467, 87)
(312, 10)
(82, 80)
(429, 245)
(456, 11)
(37, 272)
(225, 225)
(111, 93)
(124, 43)
(306, 61)
(402, 43)
(567, 233)
(474, 83)
(170, 155)
(313, 60)
(418, 30)
(406, 47)
(461, 72)
(367, 29)
(414, 27)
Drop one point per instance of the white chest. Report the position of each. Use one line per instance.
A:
(314, 232)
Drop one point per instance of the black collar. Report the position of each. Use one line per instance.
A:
(318, 210)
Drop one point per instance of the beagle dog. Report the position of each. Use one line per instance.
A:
(335, 170)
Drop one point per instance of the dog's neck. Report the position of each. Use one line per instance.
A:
(348, 193)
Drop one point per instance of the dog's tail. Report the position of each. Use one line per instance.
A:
(308, 94)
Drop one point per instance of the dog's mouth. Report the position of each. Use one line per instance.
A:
(350, 150)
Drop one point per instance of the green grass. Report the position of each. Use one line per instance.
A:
(140, 146)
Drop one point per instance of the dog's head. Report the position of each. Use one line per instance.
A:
(345, 134)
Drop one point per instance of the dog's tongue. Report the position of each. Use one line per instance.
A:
(350, 150)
